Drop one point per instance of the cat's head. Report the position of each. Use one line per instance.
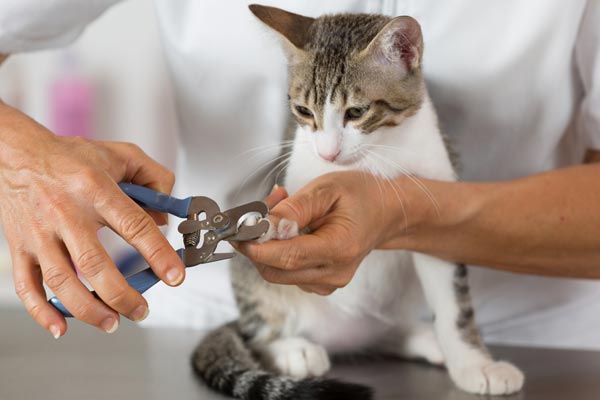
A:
(350, 76)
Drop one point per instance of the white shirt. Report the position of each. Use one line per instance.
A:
(516, 85)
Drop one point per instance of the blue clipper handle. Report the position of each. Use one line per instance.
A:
(153, 200)
(141, 282)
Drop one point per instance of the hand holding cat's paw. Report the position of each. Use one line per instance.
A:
(327, 258)
(493, 378)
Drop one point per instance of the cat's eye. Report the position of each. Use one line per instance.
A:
(354, 113)
(305, 112)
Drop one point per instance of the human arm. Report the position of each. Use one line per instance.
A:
(546, 224)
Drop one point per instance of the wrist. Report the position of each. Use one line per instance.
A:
(429, 210)
(21, 137)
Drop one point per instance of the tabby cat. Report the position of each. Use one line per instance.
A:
(357, 91)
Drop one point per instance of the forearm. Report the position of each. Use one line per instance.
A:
(546, 224)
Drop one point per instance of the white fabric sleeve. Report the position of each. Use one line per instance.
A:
(27, 25)
(587, 58)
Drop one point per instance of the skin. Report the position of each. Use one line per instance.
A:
(545, 224)
(55, 194)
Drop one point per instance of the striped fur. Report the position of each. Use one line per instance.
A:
(466, 317)
(225, 362)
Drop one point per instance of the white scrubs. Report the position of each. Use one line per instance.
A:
(516, 84)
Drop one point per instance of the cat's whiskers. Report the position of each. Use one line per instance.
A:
(408, 174)
(374, 175)
(258, 169)
(259, 150)
(284, 164)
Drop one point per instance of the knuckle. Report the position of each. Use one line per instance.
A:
(22, 290)
(154, 254)
(293, 258)
(90, 262)
(133, 148)
(82, 310)
(35, 311)
(118, 298)
(88, 178)
(135, 225)
(56, 278)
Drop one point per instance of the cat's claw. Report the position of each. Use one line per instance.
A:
(493, 378)
(297, 357)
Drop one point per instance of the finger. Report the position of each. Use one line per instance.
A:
(321, 290)
(310, 276)
(94, 263)
(300, 252)
(61, 278)
(142, 170)
(277, 194)
(135, 226)
(28, 286)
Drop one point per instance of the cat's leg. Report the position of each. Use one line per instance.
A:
(414, 343)
(468, 361)
(296, 357)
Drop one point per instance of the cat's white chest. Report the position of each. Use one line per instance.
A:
(383, 295)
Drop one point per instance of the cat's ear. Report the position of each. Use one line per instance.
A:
(399, 42)
(292, 27)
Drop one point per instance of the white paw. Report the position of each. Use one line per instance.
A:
(287, 229)
(297, 357)
(493, 378)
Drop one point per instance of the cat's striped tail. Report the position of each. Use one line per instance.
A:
(226, 364)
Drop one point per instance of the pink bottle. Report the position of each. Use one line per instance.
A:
(71, 101)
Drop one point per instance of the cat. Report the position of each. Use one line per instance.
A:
(357, 91)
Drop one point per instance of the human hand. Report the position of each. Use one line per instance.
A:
(348, 217)
(55, 194)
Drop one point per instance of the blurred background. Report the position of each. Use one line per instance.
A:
(111, 84)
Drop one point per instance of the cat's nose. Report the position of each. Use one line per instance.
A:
(330, 156)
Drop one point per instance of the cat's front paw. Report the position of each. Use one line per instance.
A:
(286, 229)
(493, 378)
(297, 357)
(283, 230)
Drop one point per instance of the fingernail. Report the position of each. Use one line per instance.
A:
(174, 276)
(140, 314)
(275, 187)
(110, 325)
(55, 331)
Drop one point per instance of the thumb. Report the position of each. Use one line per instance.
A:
(307, 206)
(277, 194)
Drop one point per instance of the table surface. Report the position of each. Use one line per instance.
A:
(136, 363)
